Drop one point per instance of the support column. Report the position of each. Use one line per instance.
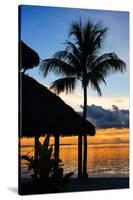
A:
(79, 156)
(36, 155)
(57, 150)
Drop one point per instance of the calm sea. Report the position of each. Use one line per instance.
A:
(103, 159)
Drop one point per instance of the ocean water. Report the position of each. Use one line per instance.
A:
(103, 160)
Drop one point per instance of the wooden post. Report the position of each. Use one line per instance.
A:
(79, 156)
(57, 150)
(36, 155)
(85, 135)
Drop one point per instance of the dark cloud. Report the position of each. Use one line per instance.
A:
(114, 107)
(103, 118)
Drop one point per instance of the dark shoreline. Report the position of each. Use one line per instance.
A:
(77, 185)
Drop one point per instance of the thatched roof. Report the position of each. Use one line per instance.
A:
(43, 112)
(28, 58)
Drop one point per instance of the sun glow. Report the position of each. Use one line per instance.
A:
(103, 136)
(75, 100)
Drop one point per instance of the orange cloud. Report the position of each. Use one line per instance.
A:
(119, 100)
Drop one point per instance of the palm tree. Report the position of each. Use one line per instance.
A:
(82, 61)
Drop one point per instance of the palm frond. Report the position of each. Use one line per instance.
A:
(68, 57)
(87, 32)
(76, 32)
(101, 68)
(90, 60)
(66, 84)
(95, 85)
(94, 78)
(93, 35)
(109, 63)
(71, 47)
(99, 37)
(56, 66)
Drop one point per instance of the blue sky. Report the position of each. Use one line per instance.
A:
(46, 28)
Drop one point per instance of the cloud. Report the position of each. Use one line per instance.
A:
(108, 118)
(119, 100)
(115, 108)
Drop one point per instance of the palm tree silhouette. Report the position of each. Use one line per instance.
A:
(82, 61)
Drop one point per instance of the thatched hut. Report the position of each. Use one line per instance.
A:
(42, 112)
(28, 58)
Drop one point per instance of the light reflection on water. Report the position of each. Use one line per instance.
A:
(103, 159)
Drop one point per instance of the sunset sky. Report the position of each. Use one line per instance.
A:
(45, 29)
(103, 136)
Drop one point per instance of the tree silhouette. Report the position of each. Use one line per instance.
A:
(82, 61)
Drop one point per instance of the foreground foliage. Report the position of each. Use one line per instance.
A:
(50, 174)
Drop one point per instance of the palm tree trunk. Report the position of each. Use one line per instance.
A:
(80, 156)
(84, 134)
(36, 156)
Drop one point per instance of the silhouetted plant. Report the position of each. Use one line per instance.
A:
(48, 174)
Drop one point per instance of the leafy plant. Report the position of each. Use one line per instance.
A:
(50, 174)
